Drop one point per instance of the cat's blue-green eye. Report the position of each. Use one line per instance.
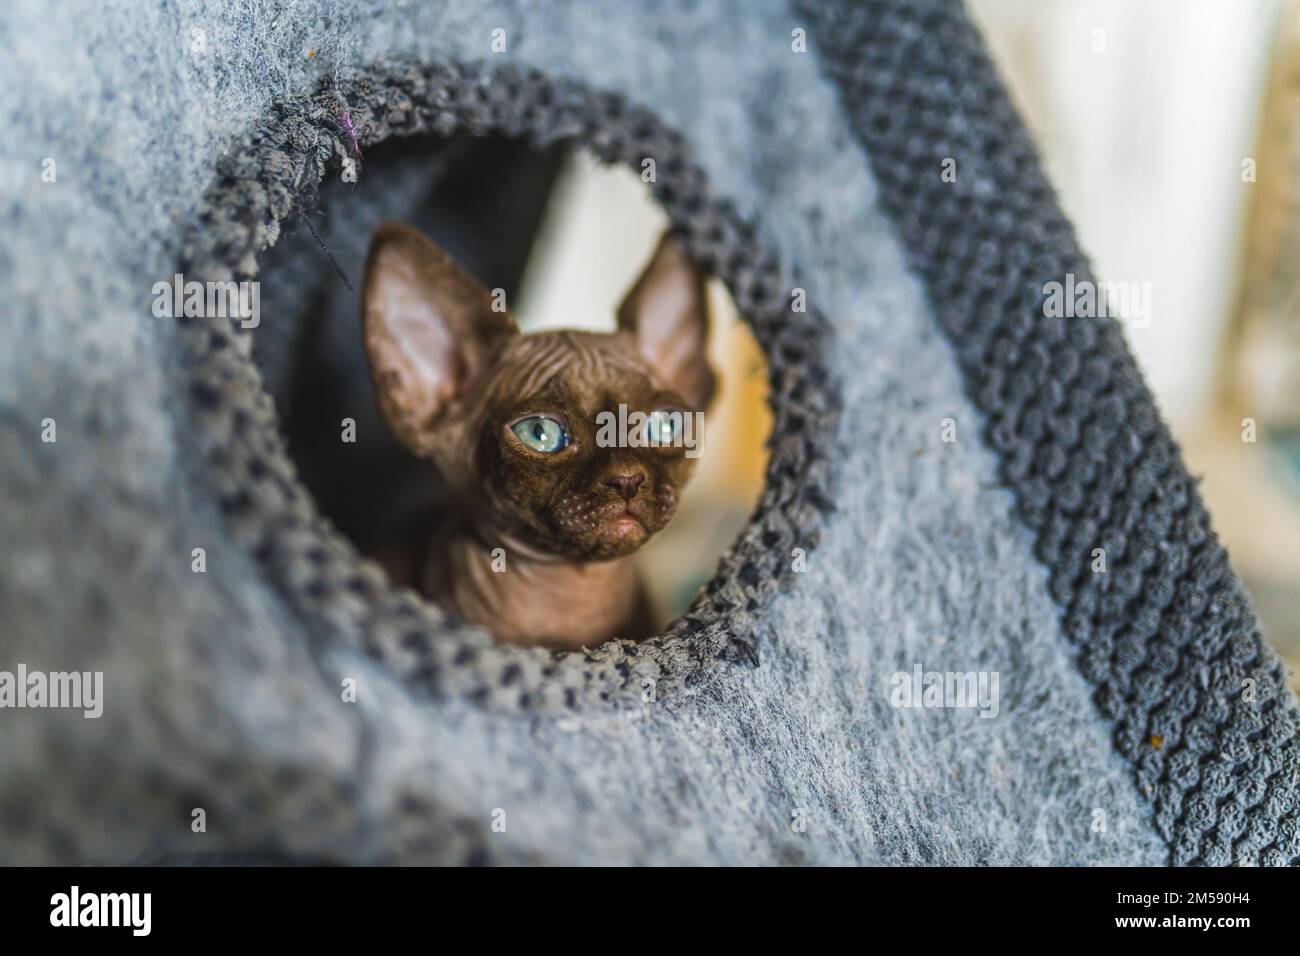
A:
(661, 427)
(541, 433)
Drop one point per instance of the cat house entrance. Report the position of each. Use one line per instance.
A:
(558, 236)
(437, 145)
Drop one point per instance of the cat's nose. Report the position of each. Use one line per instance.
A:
(626, 485)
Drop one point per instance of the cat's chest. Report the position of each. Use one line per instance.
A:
(556, 605)
(570, 610)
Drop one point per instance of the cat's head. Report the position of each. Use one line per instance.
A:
(514, 422)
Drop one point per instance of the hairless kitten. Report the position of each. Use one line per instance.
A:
(544, 510)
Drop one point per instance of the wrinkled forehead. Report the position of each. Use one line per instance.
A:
(585, 366)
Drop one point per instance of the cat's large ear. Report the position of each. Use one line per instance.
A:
(429, 330)
(668, 312)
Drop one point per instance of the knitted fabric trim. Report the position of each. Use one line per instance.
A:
(273, 173)
(1166, 635)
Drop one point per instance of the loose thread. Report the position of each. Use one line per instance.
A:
(325, 249)
(356, 146)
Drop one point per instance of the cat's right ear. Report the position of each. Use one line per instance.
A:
(429, 330)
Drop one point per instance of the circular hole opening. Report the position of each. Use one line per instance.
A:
(418, 114)
(560, 239)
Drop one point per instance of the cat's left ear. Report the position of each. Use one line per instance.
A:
(668, 313)
(430, 330)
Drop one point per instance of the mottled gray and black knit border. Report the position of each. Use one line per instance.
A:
(1166, 635)
(273, 174)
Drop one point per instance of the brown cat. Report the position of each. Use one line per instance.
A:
(546, 508)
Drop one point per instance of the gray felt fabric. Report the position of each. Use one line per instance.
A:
(224, 695)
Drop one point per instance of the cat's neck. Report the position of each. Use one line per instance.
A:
(526, 596)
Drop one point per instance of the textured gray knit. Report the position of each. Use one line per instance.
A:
(223, 688)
